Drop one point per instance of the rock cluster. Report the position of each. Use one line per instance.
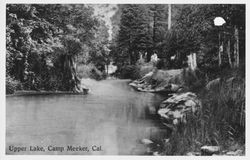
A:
(238, 152)
(159, 81)
(178, 107)
(181, 105)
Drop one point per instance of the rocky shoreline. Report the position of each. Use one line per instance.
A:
(176, 109)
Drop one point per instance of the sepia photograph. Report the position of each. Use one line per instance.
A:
(129, 79)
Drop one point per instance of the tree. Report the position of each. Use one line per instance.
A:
(43, 41)
(143, 28)
(159, 23)
(78, 30)
(99, 54)
(133, 35)
(29, 40)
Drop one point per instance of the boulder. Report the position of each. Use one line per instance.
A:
(82, 89)
(175, 109)
(146, 141)
(210, 150)
(157, 153)
(213, 84)
(193, 154)
(238, 152)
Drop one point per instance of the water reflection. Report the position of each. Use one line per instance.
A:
(112, 116)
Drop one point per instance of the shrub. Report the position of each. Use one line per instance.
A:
(89, 71)
(146, 68)
(12, 85)
(128, 72)
(193, 80)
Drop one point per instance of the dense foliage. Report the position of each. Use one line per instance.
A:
(45, 42)
(142, 29)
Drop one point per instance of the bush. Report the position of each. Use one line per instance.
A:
(12, 85)
(160, 64)
(89, 71)
(146, 68)
(129, 72)
(194, 80)
(133, 72)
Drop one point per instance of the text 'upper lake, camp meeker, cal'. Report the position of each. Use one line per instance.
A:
(51, 148)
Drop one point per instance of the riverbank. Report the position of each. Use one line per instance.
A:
(161, 81)
(83, 90)
(25, 93)
(209, 120)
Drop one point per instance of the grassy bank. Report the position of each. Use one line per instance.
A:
(221, 121)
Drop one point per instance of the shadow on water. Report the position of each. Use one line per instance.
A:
(112, 116)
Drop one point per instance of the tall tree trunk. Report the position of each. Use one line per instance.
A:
(169, 16)
(70, 76)
(220, 50)
(236, 47)
(107, 66)
(130, 50)
(229, 53)
(154, 28)
(130, 56)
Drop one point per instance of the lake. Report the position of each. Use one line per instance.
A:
(111, 120)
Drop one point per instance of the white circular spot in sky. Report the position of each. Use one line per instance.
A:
(219, 21)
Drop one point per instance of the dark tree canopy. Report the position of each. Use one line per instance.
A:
(44, 41)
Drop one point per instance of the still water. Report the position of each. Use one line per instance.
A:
(111, 120)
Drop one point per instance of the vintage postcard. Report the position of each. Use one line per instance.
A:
(125, 79)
